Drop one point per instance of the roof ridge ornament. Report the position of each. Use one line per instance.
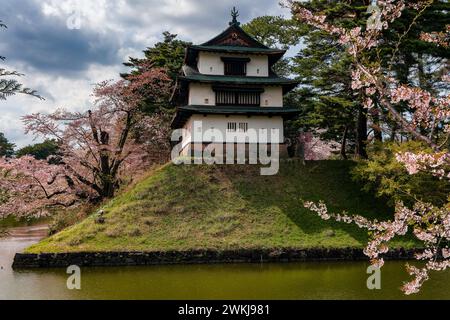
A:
(234, 15)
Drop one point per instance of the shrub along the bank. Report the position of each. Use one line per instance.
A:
(386, 177)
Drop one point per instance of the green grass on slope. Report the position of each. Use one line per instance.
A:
(226, 207)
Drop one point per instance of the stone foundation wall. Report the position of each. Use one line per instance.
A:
(110, 259)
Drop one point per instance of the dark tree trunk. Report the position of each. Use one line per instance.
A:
(377, 132)
(394, 132)
(344, 144)
(361, 133)
(108, 190)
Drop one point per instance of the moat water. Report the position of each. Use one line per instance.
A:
(337, 280)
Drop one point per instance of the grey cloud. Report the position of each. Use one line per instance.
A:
(47, 51)
(45, 43)
(209, 19)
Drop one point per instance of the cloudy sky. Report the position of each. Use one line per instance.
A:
(65, 46)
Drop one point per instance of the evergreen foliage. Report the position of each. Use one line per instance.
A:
(40, 151)
(6, 148)
(324, 68)
(168, 54)
(383, 175)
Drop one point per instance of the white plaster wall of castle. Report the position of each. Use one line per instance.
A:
(198, 125)
(210, 63)
(203, 95)
(272, 97)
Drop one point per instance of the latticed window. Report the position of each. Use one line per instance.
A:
(243, 127)
(226, 97)
(249, 98)
(232, 127)
(235, 66)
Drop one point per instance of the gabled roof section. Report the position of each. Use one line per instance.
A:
(237, 49)
(192, 52)
(233, 40)
(235, 36)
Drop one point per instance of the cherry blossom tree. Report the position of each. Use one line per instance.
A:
(430, 113)
(97, 151)
(312, 148)
(155, 135)
(30, 187)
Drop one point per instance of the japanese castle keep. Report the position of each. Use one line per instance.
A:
(227, 85)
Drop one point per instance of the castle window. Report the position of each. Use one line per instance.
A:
(243, 127)
(235, 66)
(232, 126)
(226, 96)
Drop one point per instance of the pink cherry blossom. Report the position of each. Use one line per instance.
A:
(430, 225)
(98, 149)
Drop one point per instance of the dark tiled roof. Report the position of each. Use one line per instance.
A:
(197, 77)
(183, 113)
(240, 37)
(238, 49)
(192, 52)
(192, 75)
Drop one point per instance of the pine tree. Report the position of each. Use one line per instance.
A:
(168, 54)
(276, 32)
(41, 151)
(324, 69)
(415, 60)
(6, 148)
